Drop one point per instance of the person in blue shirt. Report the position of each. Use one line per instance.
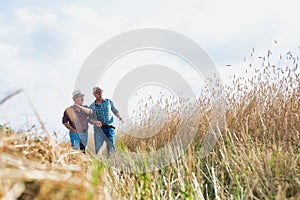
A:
(102, 119)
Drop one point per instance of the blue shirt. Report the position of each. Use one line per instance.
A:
(103, 112)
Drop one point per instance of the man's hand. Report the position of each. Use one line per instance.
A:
(121, 119)
(98, 124)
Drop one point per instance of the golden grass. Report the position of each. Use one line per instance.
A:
(257, 156)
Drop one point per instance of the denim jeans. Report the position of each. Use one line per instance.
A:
(107, 135)
(78, 140)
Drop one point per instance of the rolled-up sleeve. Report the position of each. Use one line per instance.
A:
(92, 116)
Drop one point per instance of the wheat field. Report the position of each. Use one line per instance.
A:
(256, 157)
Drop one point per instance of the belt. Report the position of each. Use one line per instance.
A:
(107, 126)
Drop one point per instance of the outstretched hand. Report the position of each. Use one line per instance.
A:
(98, 124)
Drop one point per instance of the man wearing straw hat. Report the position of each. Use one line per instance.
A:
(102, 119)
(75, 118)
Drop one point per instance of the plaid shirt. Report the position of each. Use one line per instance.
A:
(103, 111)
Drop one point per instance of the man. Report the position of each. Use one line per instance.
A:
(75, 119)
(102, 119)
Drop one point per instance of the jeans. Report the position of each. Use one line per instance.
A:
(79, 140)
(107, 135)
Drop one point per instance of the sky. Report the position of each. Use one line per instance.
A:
(43, 44)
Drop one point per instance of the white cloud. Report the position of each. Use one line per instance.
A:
(27, 17)
(32, 21)
(6, 31)
(88, 29)
(8, 51)
(43, 49)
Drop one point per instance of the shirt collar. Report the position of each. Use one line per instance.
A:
(103, 100)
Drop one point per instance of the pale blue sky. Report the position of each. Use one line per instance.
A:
(44, 43)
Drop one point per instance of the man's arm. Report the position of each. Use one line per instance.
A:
(68, 126)
(92, 119)
(116, 112)
(119, 117)
(86, 110)
(66, 120)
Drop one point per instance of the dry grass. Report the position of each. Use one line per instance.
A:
(257, 156)
(33, 168)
